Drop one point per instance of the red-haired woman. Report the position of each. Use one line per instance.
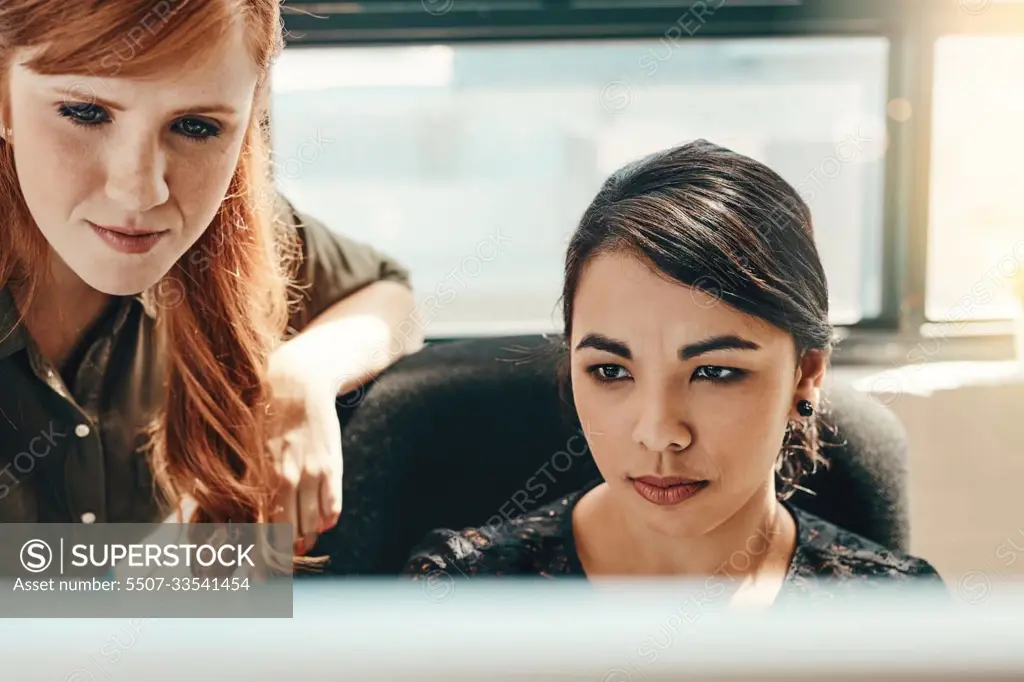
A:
(145, 269)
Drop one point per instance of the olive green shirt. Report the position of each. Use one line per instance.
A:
(71, 451)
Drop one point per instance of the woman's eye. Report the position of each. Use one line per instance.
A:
(716, 373)
(84, 114)
(609, 373)
(91, 115)
(197, 130)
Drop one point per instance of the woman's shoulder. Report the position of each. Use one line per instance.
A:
(538, 542)
(825, 550)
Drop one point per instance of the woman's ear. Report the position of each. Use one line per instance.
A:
(6, 131)
(810, 376)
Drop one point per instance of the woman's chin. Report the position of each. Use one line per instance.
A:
(121, 283)
(121, 276)
(118, 274)
(676, 522)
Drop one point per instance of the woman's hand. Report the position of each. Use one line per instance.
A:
(304, 442)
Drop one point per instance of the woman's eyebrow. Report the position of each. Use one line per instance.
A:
(211, 108)
(204, 108)
(616, 347)
(607, 344)
(71, 92)
(724, 342)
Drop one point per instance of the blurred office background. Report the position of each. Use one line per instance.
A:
(465, 137)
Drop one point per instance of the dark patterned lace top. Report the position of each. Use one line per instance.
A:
(827, 558)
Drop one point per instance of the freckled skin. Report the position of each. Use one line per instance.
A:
(135, 169)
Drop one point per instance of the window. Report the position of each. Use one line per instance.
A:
(472, 162)
(976, 231)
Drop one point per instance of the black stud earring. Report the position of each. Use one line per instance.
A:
(805, 408)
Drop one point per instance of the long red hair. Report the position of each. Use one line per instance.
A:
(220, 322)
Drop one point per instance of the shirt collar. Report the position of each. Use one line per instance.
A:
(148, 301)
(12, 334)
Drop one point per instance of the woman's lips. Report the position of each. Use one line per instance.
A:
(667, 491)
(128, 241)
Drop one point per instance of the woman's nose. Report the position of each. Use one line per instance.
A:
(136, 178)
(661, 426)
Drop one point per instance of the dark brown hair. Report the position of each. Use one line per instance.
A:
(718, 221)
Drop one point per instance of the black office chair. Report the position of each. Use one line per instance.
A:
(461, 434)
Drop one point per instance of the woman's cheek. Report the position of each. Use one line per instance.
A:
(592, 404)
(732, 424)
(604, 418)
(726, 409)
(205, 183)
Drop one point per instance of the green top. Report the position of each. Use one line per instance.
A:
(72, 452)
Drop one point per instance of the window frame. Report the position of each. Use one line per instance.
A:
(901, 331)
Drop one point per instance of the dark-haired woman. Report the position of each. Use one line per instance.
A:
(696, 319)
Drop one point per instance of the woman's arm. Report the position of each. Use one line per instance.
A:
(355, 316)
(345, 346)
(353, 321)
(353, 340)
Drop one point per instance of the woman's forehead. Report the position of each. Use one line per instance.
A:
(620, 292)
(131, 39)
(225, 80)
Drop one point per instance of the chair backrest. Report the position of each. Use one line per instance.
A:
(466, 433)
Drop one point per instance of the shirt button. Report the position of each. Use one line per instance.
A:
(88, 517)
(82, 430)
